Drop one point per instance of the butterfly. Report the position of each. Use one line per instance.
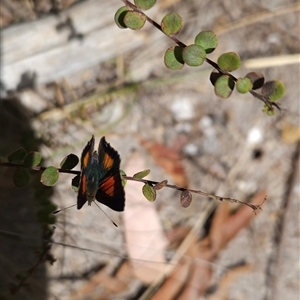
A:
(100, 177)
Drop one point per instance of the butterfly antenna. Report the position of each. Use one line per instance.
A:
(106, 214)
(59, 210)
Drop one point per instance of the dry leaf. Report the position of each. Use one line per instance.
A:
(216, 236)
(144, 233)
(228, 279)
(176, 235)
(175, 282)
(186, 198)
(183, 283)
(168, 159)
(224, 228)
(290, 133)
(109, 285)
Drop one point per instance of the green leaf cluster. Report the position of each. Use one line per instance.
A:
(149, 189)
(21, 176)
(195, 55)
(29, 161)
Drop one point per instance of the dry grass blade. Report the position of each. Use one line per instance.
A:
(256, 18)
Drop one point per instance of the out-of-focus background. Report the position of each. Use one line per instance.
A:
(67, 72)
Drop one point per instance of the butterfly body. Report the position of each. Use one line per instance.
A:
(100, 176)
(93, 178)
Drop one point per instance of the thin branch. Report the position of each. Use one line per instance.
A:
(211, 196)
(38, 168)
(150, 182)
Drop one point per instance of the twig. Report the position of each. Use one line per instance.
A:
(211, 196)
(150, 182)
(38, 168)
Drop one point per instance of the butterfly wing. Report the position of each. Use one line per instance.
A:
(86, 157)
(111, 192)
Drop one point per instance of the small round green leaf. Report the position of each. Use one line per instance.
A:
(69, 162)
(224, 86)
(273, 89)
(214, 76)
(257, 79)
(33, 159)
(134, 20)
(142, 174)
(50, 176)
(144, 4)
(17, 156)
(75, 183)
(21, 178)
(124, 181)
(244, 85)
(120, 15)
(171, 24)
(173, 58)
(270, 111)
(186, 198)
(149, 192)
(229, 61)
(193, 55)
(207, 40)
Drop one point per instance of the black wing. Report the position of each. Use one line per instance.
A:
(111, 192)
(86, 157)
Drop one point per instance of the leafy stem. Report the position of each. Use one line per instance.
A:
(262, 98)
(149, 182)
(211, 196)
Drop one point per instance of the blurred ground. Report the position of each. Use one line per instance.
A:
(78, 75)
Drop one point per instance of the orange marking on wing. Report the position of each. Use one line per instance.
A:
(108, 186)
(86, 159)
(108, 161)
(83, 184)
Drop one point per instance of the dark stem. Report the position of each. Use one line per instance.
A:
(38, 168)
